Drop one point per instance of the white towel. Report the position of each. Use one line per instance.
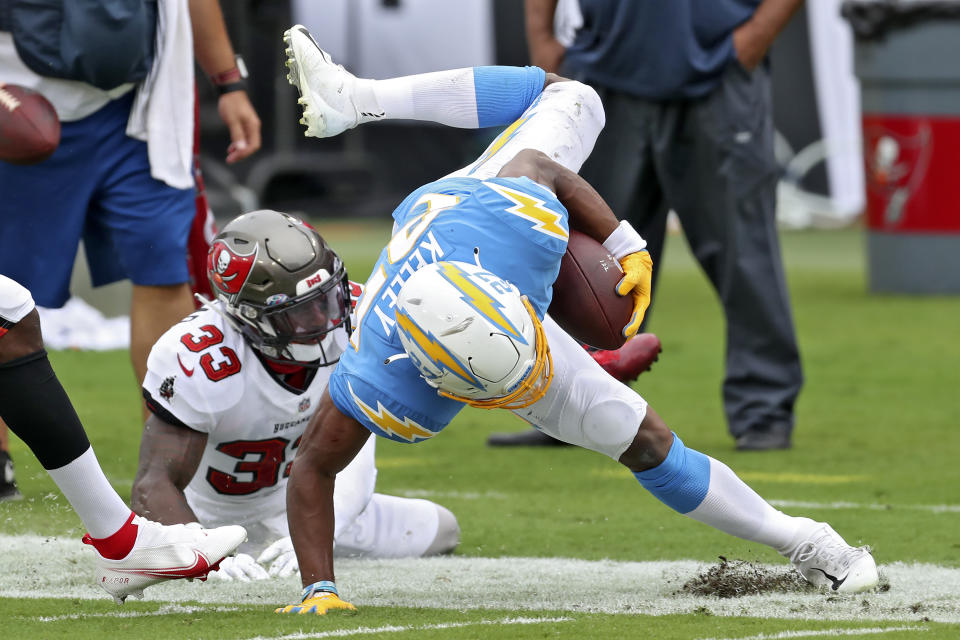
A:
(77, 325)
(567, 20)
(162, 113)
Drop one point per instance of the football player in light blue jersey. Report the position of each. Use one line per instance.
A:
(454, 313)
(453, 219)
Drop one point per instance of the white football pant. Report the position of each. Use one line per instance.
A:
(584, 404)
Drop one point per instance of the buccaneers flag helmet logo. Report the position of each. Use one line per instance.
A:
(229, 270)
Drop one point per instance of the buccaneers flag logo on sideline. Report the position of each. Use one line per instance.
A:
(229, 270)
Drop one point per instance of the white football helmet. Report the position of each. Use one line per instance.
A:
(473, 336)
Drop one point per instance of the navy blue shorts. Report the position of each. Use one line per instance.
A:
(97, 186)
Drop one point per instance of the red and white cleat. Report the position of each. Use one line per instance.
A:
(163, 552)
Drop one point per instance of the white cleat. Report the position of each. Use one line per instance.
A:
(326, 89)
(166, 552)
(825, 560)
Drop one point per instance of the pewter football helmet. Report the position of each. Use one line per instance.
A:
(473, 336)
(282, 286)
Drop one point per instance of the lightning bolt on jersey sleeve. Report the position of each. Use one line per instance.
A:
(513, 226)
(518, 226)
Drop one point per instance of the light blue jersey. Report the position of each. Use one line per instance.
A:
(515, 227)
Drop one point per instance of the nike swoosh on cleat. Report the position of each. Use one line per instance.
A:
(199, 568)
(836, 581)
(189, 372)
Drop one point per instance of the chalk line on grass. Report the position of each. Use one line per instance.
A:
(37, 566)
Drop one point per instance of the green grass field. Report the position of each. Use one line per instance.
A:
(560, 542)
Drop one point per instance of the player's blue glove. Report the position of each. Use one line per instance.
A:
(318, 598)
(637, 277)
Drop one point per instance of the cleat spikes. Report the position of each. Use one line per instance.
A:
(325, 88)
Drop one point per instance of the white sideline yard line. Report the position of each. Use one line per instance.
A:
(365, 631)
(802, 504)
(788, 635)
(786, 504)
(460, 495)
(169, 610)
(43, 567)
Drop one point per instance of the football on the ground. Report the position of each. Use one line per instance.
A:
(29, 126)
(585, 301)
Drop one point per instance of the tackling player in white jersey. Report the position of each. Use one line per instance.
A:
(231, 389)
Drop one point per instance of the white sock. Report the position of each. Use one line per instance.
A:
(91, 496)
(466, 98)
(446, 97)
(733, 507)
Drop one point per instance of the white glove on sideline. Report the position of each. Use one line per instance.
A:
(240, 567)
(281, 558)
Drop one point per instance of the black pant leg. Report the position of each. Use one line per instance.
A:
(715, 160)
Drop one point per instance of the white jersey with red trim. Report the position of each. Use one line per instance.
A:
(205, 375)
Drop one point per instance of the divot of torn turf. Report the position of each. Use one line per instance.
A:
(737, 578)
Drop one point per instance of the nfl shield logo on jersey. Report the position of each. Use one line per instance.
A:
(304, 405)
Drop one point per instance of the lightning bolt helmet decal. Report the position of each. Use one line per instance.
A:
(480, 299)
(438, 354)
(472, 336)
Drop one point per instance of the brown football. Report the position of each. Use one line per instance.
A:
(29, 126)
(585, 301)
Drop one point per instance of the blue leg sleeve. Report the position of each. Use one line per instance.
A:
(504, 93)
(681, 481)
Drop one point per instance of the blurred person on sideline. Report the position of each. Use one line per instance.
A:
(122, 179)
(454, 314)
(132, 553)
(130, 199)
(686, 89)
(231, 389)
